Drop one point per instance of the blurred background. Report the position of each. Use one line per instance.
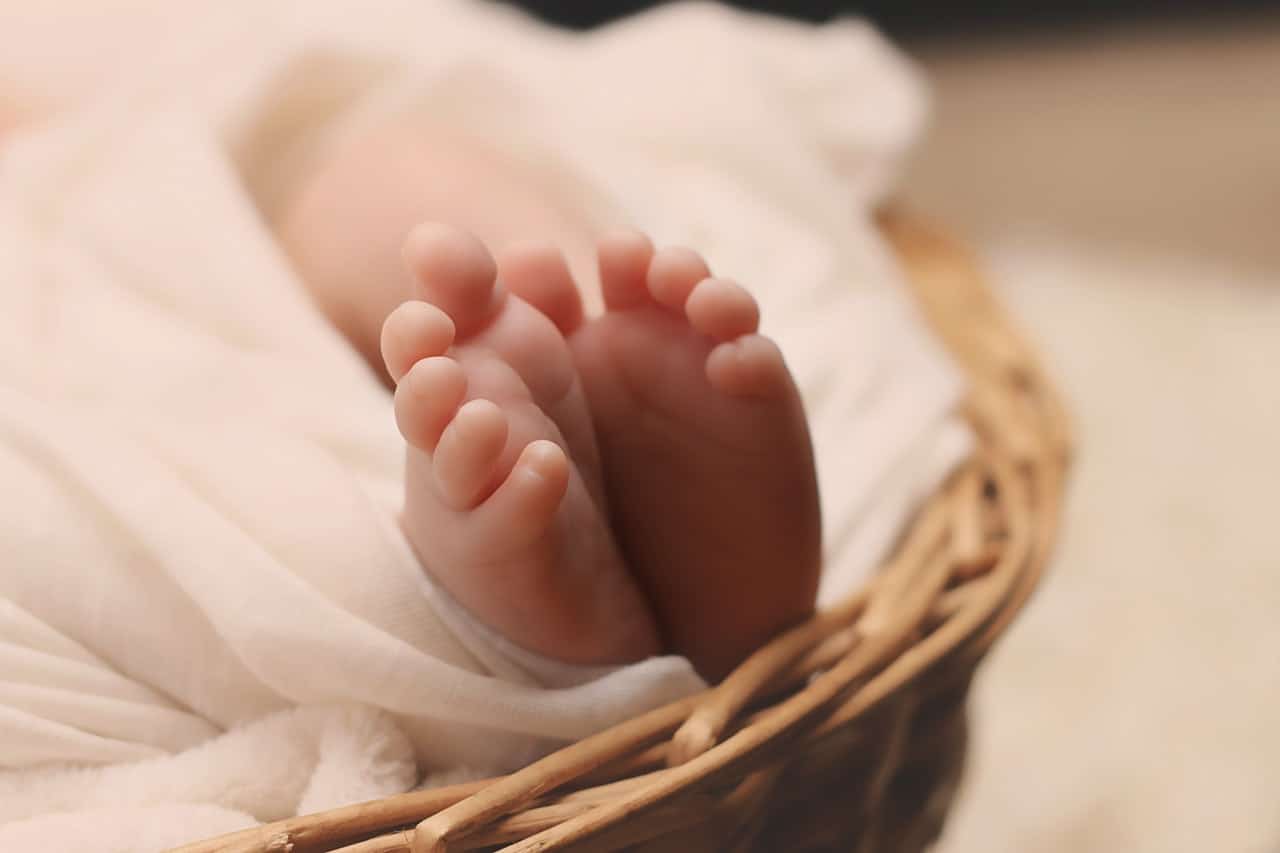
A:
(1116, 121)
(1117, 165)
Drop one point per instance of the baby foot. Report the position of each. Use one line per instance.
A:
(504, 500)
(705, 446)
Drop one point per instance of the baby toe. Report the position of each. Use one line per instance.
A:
(414, 331)
(523, 507)
(750, 366)
(538, 274)
(722, 309)
(673, 274)
(624, 258)
(465, 463)
(455, 272)
(427, 397)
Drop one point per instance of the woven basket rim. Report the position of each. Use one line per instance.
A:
(861, 680)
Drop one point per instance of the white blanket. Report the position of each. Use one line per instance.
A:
(201, 575)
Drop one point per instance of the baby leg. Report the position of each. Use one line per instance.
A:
(344, 229)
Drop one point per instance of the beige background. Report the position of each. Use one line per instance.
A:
(1124, 188)
(1157, 139)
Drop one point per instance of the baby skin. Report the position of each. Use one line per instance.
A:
(600, 490)
(595, 489)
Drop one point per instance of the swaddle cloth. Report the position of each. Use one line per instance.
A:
(201, 570)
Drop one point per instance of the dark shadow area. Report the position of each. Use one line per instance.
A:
(939, 18)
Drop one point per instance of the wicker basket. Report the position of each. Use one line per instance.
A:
(848, 732)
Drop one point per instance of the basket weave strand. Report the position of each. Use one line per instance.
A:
(848, 732)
